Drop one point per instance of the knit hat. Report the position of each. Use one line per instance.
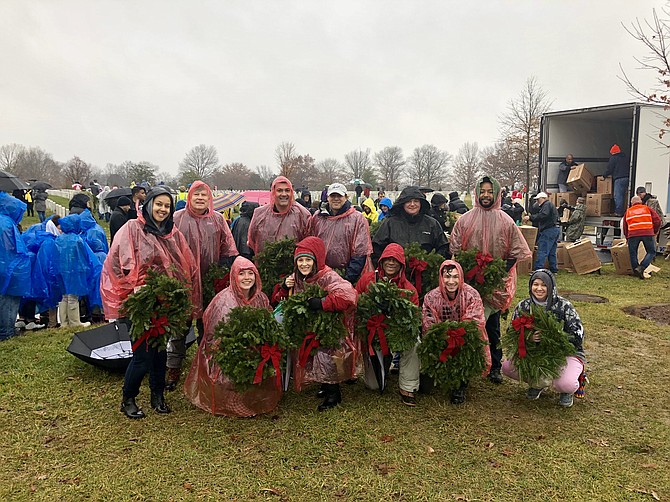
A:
(640, 190)
(438, 199)
(581, 200)
(615, 149)
(123, 201)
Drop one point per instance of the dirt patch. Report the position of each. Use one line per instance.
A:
(659, 313)
(573, 296)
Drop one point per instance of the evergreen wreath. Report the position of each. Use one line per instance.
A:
(274, 263)
(452, 352)
(374, 227)
(159, 309)
(537, 361)
(248, 347)
(422, 268)
(387, 319)
(483, 272)
(216, 279)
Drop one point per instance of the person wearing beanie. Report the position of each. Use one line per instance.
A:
(651, 201)
(456, 205)
(438, 209)
(618, 168)
(119, 216)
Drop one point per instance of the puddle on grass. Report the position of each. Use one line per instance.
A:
(659, 313)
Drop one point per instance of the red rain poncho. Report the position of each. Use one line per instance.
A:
(206, 385)
(466, 306)
(333, 365)
(133, 252)
(491, 231)
(208, 235)
(270, 225)
(391, 251)
(344, 235)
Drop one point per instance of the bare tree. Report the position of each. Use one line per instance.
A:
(391, 164)
(329, 171)
(357, 163)
(467, 166)
(76, 170)
(167, 178)
(235, 175)
(266, 176)
(35, 164)
(521, 125)
(285, 155)
(199, 163)
(428, 166)
(9, 155)
(505, 164)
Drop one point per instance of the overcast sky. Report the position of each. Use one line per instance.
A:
(139, 80)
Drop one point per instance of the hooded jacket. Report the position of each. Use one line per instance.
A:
(79, 203)
(307, 204)
(373, 215)
(396, 252)
(384, 202)
(240, 228)
(40, 197)
(14, 258)
(618, 166)
(561, 308)
(208, 234)
(403, 229)
(456, 205)
(438, 212)
(268, 224)
(575, 227)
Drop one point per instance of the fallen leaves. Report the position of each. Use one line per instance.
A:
(272, 491)
(599, 442)
(384, 469)
(386, 438)
(651, 493)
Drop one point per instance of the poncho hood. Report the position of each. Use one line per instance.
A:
(195, 187)
(315, 247)
(273, 194)
(394, 251)
(86, 221)
(70, 224)
(461, 280)
(12, 207)
(240, 264)
(146, 218)
(497, 199)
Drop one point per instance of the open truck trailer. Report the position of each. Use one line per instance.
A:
(589, 133)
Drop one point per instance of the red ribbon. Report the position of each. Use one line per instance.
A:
(269, 352)
(157, 329)
(455, 341)
(309, 343)
(520, 324)
(477, 272)
(376, 326)
(417, 266)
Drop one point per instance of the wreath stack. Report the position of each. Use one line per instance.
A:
(216, 279)
(540, 361)
(386, 319)
(274, 263)
(422, 268)
(248, 347)
(483, 272)
(159, 309)
(452, 352)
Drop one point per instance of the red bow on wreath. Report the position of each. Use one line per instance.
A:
(455, 341)
(308, 343)
(376, 326)
(157, 329)
(477, 272)
(417, 266)
(269, 353)
(520, 324)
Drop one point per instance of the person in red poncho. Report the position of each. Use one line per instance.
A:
(211, 242)
(330, 366)
(150, 241)
(491, 231)
(391, 267)
(281, 218)
(453, 300)
(206, 386)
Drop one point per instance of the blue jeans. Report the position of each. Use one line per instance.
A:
(42, 215)
(9, 308)
(620, 189)
(547, 241)
(649, 247)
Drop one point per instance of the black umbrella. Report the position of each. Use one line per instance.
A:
(41, 185)
(10, 182)
(381, 365)
(114, 195)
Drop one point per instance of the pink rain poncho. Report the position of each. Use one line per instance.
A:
(268, 225)
(135, 250)
(466, 306)
(207, 234)
(492, 231)
(332, 365)
(206, 385)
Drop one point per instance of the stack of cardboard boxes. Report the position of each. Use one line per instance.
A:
(598, 203)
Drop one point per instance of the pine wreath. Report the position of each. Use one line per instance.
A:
(274, 263)
(537, 361)
(483, 272)
(309, 330)
(216, 279)
(422, 268)
(452, 352)
(386, 318)
(374, 226)
(160, 308)
(248, 346)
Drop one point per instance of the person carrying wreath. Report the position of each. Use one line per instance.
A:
(151, 241)
(454, 300)
(329, 366)
(391, 268)
(543, 293)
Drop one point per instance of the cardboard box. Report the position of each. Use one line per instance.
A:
(583, 257)
(598, 204)
(580, 179)
(565, 217)
(563, 257)
(621, 257)
(524, 268)
(530, 234)
(553, 198)
(569, 197)
(604, 185)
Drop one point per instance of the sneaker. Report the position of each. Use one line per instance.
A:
(565, 400)
(534, 394)
(457, 396)
(19, 324)
(408, 400)
(640, 272)
(32, 325)
(495, 376)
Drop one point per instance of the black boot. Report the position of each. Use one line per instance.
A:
(333, 397)
(322, 392)
(458, 395)
(131, 409)
(158, 403)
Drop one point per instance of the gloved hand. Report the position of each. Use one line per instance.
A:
(314, 304)
(383, 307)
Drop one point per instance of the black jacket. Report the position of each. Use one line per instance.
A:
(456, 205)
(116, 221)
(79, 203)
(618, 166)
(546, 217)
(564, 171)
(240, 228)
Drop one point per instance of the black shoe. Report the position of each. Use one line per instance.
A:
(158, 403)
(322, 392)
(495, 376)
(458, 396)
(333, 397)
(408, 400)
(131, 409)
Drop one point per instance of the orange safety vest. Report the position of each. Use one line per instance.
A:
(638, 219)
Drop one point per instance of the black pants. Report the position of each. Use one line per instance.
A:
(145, 360)
(493, 332)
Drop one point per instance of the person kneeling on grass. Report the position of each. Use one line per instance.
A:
(543, 292)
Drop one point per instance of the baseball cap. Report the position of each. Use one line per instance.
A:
(640, 190)
(338, 188)
(541, 195)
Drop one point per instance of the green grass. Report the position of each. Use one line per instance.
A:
(64, 438)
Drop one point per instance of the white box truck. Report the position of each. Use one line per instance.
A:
(589, 133)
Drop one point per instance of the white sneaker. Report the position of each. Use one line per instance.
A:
(19, 324)
(31, 326)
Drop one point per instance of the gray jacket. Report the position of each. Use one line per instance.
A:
(40, 200)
